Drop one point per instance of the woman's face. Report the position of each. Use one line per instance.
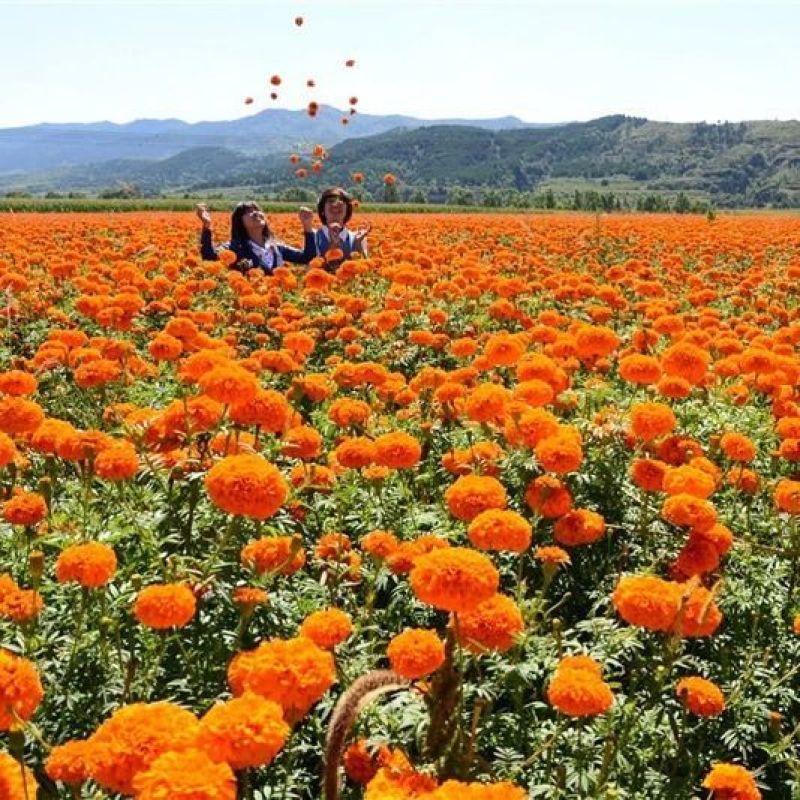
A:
(254, 221)
(335, 210)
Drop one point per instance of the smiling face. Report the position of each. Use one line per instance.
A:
(253, 220)
(335, 210)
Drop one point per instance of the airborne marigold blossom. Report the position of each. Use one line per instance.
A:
(91, 565)
(731, 782)
(20, 690)
(327, 628)
(247, 485)
(248, 731)
(161, 606)
(454, 579)
(702, 697)
(187, 775)
(415, 653)
(499, 529)
(492, 625)
(472, 494)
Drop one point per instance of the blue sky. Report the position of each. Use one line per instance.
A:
(542, 61)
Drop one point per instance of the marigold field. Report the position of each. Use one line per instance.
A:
(509, 509)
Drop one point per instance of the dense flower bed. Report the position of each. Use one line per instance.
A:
(528, 485)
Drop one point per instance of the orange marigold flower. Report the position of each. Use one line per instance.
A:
(685, 509)
(327, 628)
(70, 762)
(702, 697)
(498, 529)
(25, 508)
(731, 782)
(302, 442)
(648, 602)
(530, 427)
(472, 494)
(247, 485)
(745, 480)
(15, 382)
(346, 412)
(295, 673)
(402, 560)
(397, 450)
(415, 653)
(486, 403)
(164, 347)
(548, 496)
(674, 387)
(787, 496)
(454, 579)
(266, 408)
(380, 544)
(699, 615)
(639, 369)
(492, 625)
(187, 775)
(8, 450)
(534, 393)
(248, 597)
(697, 556)
(97, 372)
(91, 565)
(283, 555)
(552, 555)
(686, 360)
(503, 349)
(649, 474)
(17, 782)
(119, 462)
(229, 383)
(20, 690)
(360, 765)
(18, 415)
(248, 731)
(355, 452)
(579, 692)
(18, 605)
(595, 341)
(561, 453)
(578, 527)
(651, 420)
(738, 447)
(161, 606)
(687, 479)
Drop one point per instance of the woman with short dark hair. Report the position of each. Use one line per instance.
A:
(253, 242)
(335, 208)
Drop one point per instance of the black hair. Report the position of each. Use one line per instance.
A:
(238, 231)
(335, 191)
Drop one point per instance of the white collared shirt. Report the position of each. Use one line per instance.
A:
(266, 255)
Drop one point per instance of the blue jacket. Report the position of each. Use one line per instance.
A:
(349, 247)
(244, 252)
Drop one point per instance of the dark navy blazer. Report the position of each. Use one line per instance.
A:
(245, 252)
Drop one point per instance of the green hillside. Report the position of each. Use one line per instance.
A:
(753, 164)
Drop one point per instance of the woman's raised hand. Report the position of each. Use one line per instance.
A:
(201, 209)
(306, 216)
(362, 234)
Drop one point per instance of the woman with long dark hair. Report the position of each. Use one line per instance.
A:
(253, 242)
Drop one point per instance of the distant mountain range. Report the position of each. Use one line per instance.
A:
(729, 164)
(49, 146)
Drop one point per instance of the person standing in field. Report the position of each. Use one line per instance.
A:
(252, 240)
(334, 241)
